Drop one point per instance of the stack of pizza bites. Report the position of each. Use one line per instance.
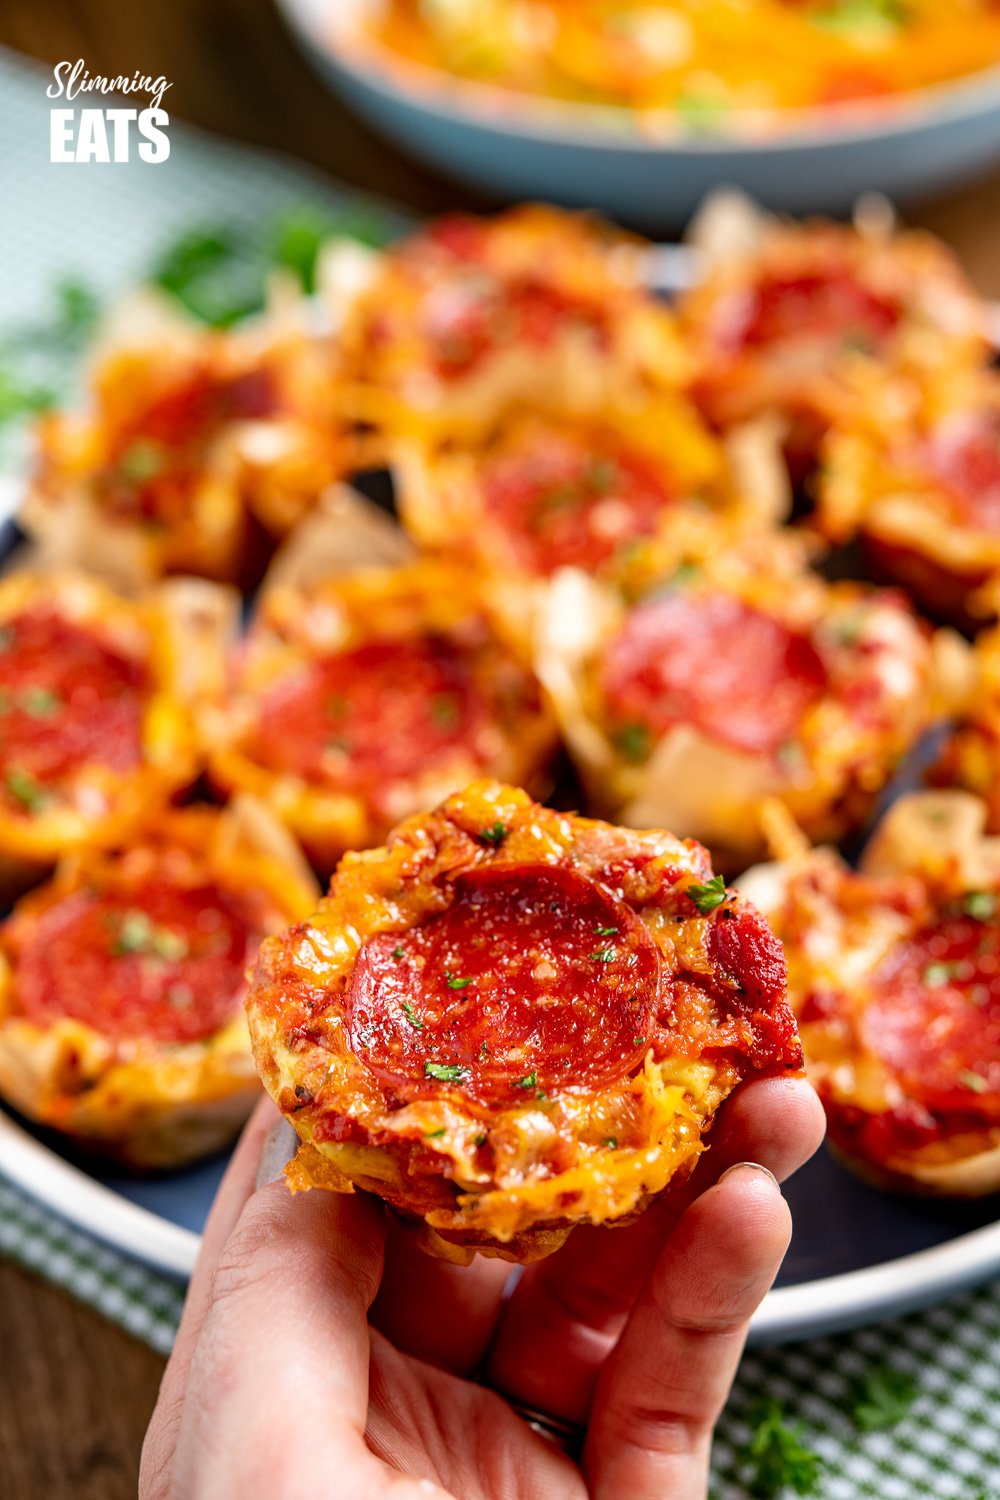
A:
(591, 588)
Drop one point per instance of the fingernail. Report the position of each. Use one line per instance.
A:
(280, 1145)
(748, 1166)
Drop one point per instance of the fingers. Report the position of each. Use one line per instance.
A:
(444, 1314)
(662, 1389)
(567, 1312)
(236, 1186)
(283, 1348)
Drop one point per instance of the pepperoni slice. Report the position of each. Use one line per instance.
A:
(66, 700)
(160, 454)
(166, 963)
(564, 505)
(710, 660)
(533, 979)
(818, 308)
(934, 1018)
(382, 712)
(963, 454)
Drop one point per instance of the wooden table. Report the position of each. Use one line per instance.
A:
(75, 1392)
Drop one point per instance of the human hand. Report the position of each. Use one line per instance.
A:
(321, 1353)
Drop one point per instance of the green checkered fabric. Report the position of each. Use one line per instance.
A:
(105, 225)
(947, 1447)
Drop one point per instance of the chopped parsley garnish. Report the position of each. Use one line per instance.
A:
(980, 905)
(604, 955)
(707, 897)
(611, 1141)
(397, 954)
(432, 1135)
(481, 1139)
(974, 1081)
(25, 790)
(635, 742)
(139, 934)
(883, 1398)
(639, 1041)
(454, 982)
(780, 1460)
(529, 1081)
(445, 1072)
(936, 976)
(412, 1016)
(606, 931)
(142, 460)
(445, 710)
(602, 474)
(494, 835)
(40, 702)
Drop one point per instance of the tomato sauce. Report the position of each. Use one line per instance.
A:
(66, 700)
(382, 712)
(534, 979)
(165, 963)
(563, 504)
(737, 675)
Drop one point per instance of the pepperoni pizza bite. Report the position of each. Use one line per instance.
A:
(780, 326)
(510, 1021)
(739, 680)
(197, 447)
(894, 974)
(613, 494)
(915, 472)
(122, 983)
(97, 705)
(469, 316)
(360, 699)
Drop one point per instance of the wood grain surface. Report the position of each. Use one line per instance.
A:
(75, 1392)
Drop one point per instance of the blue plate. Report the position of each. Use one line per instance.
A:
(516, 146)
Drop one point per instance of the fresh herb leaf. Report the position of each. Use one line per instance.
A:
(398, 953)
(611, 1141)
(635, 742)
(445, 710)
(445, 1072)
(981, 905)
(432, 1135)
(494, 835)
(639, 1041)
(412, 1016)
(453, 982)
(606, 931)
(883, 1398)
(604, 955)
(529, 1081)
(23, 787)
(78, 308)
(40, 702)
(707, 897)
(779, 1458)
(936, 976)
(138, 934)
(142, 460)
(22, 398)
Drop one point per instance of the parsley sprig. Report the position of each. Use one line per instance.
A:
(883, 1398)
(707, 897)
(779, 1458)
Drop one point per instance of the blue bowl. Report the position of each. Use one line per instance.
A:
(592, 156)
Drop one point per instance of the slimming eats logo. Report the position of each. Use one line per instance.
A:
(107, 134)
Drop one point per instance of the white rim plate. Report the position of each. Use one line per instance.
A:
(806, 1310)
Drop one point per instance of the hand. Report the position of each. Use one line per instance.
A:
(322, 1354)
